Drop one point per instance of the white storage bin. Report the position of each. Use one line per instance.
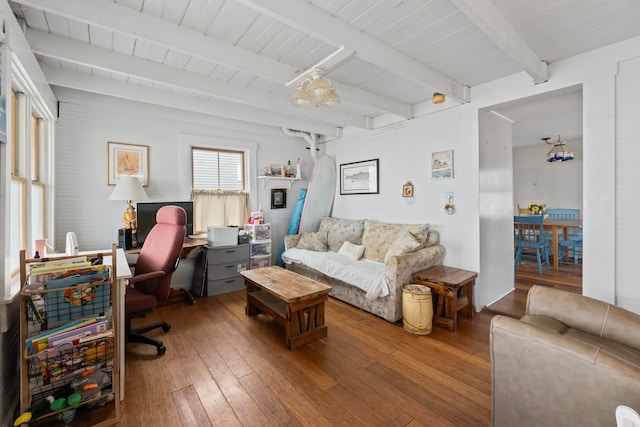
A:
(222, 236)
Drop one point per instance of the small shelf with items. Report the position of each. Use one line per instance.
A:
(266, 179)
(68, 341)
(284, 173)
(260, 235)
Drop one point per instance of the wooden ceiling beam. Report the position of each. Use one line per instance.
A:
(484, 15)
(121, 19)
(104, 86)
(76, 52)
(323, 26)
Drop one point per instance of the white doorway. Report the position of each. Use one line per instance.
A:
(522, 160)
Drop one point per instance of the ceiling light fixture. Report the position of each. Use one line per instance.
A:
(560, 152)
(437, 98)
(315, 91)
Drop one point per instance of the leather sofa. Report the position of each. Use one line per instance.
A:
(570, 361)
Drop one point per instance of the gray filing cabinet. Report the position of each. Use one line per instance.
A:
(225, 265)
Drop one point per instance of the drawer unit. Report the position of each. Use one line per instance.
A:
(222, 286)
(261, 248)
(260, 244)
(226, 254)
(229, 269)
(260, 261)
(225, 264)
(258, 231)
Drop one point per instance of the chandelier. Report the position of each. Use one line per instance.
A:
(315, 91)
(560, 152)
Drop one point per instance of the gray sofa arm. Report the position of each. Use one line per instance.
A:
(291, 241)
(399, 269)
(541, 378)
(585, 314)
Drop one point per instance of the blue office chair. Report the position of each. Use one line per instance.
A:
(528, 237)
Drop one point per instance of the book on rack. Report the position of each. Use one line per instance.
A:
(74, 336)
(77, 297)
(56, 264)
(74, 270)
(39, 342)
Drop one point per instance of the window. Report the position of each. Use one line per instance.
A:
(30, 137)
(218, 192)
(217, 169)
(37, 186)
(18, 234)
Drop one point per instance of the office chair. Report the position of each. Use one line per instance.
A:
(151, 281)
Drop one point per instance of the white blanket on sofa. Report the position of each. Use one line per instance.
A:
(364, 274)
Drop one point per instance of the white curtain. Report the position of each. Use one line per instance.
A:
(219, 208)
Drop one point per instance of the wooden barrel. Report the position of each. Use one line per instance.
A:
(417, 309)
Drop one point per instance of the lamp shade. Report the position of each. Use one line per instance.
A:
(128, 188)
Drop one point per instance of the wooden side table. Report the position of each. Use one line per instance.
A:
(452, 289)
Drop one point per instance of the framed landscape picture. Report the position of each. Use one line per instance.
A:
(127, 159)
(442, 164)
(359, 177)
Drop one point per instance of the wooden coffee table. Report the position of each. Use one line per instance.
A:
(293, 300)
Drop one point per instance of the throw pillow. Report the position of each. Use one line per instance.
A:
(340, 230)
(402, 245)
(313, 241)
(351, 250)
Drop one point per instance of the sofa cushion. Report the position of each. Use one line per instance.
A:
(340, 230)
(378, 237)
(351, 250)
(405, 243)
(363, 274)
(545, 322)
(313, 241)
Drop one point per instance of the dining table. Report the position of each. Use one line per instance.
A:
(555, 225)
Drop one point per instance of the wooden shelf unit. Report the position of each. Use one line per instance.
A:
(43, 373)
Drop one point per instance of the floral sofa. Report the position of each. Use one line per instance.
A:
(366, 262)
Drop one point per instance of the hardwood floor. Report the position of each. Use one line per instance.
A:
(225, 368)
(568, 278)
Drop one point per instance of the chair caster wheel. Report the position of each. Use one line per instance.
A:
(162, 350)
(166, 328)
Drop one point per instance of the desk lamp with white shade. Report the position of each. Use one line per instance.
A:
(129, 188)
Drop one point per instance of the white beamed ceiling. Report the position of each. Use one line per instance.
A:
(232, 58)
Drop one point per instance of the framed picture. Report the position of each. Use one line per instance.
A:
(278, 198)
(442, 164)
(127, 159)
(359, 177)
(407, 190)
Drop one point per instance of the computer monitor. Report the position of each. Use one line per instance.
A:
(146, 217)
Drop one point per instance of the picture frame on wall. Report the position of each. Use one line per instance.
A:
(127, 159)
(278, 198)
(442, 164)
(407, 190)
(359, 177)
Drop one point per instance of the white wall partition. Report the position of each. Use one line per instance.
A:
(495, 201)
(627, 183)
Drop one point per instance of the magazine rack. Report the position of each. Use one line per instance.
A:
(69, 345)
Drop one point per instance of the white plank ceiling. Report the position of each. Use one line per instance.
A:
(232, 58)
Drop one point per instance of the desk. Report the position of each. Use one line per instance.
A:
(187, 246)
(122, 274)
(554, 225)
